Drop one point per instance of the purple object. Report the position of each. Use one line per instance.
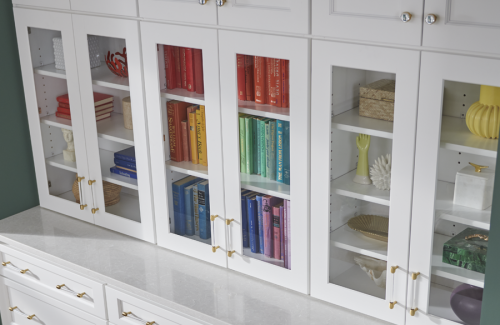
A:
(466, 301)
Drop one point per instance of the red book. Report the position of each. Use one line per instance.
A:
(198, 71)
(64, 105)
(276, 232)
(269, 80)
(240, 72)
(97, 118)
(182, 52)
(260, 80)
(249, 80)
(190, 69)
(177, 63)
(169, 66)
(99, 99)
(98, 108)
(176, 113)
(185, 145)
(285, 83)
(276, 100)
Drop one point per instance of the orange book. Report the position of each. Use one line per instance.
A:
(270, 92)
(185, 145)
(285, 83)
(193, 136)
(260, 80)
(276, 99)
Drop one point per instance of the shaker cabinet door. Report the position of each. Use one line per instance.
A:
(186, 11)
(55, 4)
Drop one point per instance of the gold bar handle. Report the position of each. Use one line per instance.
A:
(212, 218)
(30, 317)
(414, 277)
(60, 286)
(229, 254)
(80, 295)
(12, 308)
(92, 182)
(79, 179)
(393, 303)
(24, 271)
(83, 206)
(215, 248)
(228, 221)
(126, 313)
(5, 263)
(413, 311)
(94, 210)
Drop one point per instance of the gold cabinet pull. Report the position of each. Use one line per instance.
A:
(126, 313)
(83, 206)
(414, 277)
(60, 286)
(413, 311)
(24, 271)
(30, 317)
(79, 179)
(228, 221)
(393, 302)
(229, 254)
(95, 210)
(212, 218)
(215, 248)
(5, 263)
(12, 308)
(91, 182)
(80, 295)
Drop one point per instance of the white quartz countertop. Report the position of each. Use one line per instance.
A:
(189, 287)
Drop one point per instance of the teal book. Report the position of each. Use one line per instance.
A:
(268, 148)
(262, 146)
(272, 150)
(243, 151)
(286, 152)
(249, 144)
(279, 151)
(256, 164)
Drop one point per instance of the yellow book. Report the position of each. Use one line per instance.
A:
(203, 136)
(194, 137)
(201, 158)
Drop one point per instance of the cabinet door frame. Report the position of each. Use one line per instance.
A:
(230, 44)
(205, 39)
(129, 31)
(25, 18)
(182, 11)
(405, 64)
(109, 7)
(55, 4)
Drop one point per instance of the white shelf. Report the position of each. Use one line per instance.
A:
(356, 279)
(59, 162)
(248, 252)
(439, 303)
(354, 241)
(446, 210)
(188, 168)
(351, 121)
(264, 185)
(456, 136)
(127, 208)
(51, 71)
(344, 185)
(198, 239)
(107, 161)
(450, 271)
(264, 110)
(183, 95)
(53, 120)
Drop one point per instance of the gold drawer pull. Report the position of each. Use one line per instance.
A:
(12, 308)
(126, 313)
(80, 295)
(60, 286)
(30, 317)
(5, 263)
(24, 271)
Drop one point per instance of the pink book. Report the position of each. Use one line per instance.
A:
(276, 232)
(285, 231)
(268, 202)
(282, 234)
(288, 231)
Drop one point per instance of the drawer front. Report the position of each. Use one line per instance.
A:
(32, 307)
(139, 312)
(110, 7)
(57, 4)
(74, 290)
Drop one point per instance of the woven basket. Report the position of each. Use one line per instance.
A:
(111, 193)
(377, 100)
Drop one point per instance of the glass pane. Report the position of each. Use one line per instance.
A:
(360, 174)
(469, 133)
(264, 130)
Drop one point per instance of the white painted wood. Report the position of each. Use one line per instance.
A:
(365, 20)
(206, 40)
(25, 18)
(405, 65)
(111, 7)
(179, 10)
(345, 186)
(188, 168)
(348, 239)
(128, 31)
(230, 44)
(289, 16)
(55, 4)
(183, 95)
(264, 110)
(351, 121)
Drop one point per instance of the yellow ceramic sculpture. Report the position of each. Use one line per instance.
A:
(483, 117)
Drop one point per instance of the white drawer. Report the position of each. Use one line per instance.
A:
(46, 310)
(141, 311)
(46, 278)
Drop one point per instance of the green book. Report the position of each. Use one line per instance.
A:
(262, 146)
(279, 151)
(268, 147)
(272, 150)
(243, 153)
(255, 142)
(249, 143)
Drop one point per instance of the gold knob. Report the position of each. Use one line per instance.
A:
(413, 311)
(80, 295)
(212, 218)
(95, 210)
(229, 254)
(31, 317)
(228, 222)
(82, 206)
(214, 248)
(60, 286)
(5, 263)
(79, 179)
(393, 270)
(478, 167)
(414, 275)
(125, 313)
(392, 304)
(12, 308)
(24, 271)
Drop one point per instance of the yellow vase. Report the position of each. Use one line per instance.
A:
(483, 117)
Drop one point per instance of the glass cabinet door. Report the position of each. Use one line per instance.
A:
(50, 78)
(455, 161)
(115, 124)
(182, 93)
(265, 124)
(364, 104)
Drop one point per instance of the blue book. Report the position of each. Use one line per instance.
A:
(260, 222)
(189, 206)
(126, 154)
(204, 210)
(286, 152)
(272, 150)
(279, 151)
(244, 218)
(125, 164)
(253, 227)
(123, 172)
(179, 204)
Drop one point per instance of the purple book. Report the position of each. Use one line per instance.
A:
(282, 235)
(285, 231)
(288, 251)
(268, 202)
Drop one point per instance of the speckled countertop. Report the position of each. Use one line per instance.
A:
(167, 279)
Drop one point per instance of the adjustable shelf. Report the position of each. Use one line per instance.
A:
(188, 168)
(344, 185)
(351, 121)
(264, 110)
(354, 241)
(183, 95)
(264, 185)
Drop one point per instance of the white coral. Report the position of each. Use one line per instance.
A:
(381, 172)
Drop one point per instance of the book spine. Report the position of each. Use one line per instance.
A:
(253, 226)
(202, 208)
(276, 229)
(262, 141)
(182, 52)
(124, 163)
(270, 93)
(64, 116)
(199, 144)
(277, 82)
(244, 221)
(193, 137)
(185, 144)
(285, 233)
(123, 172)
(260, 223)
(272, 142)
(188, 202)
(285, 84)
(169, 66)
(177, 63)
(268, 149)
(282, 235)
(289, 232)
(243, 153)
(254, 148)
(179, 217)
(177, 210)
(63, 110)
(249, 144)
(196, 211)
(268, 227)
(257, 147)
(204, 135)
(240, 71)
(249, 77)
(172, 132)
(64, 105)
(198, 71)
(286, 152)
(190, 69)
(260, 80)
(279, 151)
(123, 157)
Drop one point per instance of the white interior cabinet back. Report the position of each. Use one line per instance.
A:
(288, 16)
(180, 10)
(463, 25)
(56, 4)
(127, 30)
(111, 7)
(25, 18)
(366, 20)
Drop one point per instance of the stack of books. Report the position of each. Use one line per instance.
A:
(265, 147)
(266, 225)
(184, 68)
(263, 80)
(191, 207)
(103, 105)
(125, 163)
(187, 132)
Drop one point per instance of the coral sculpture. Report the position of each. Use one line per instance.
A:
(381, 173)
(374, 268)
(483, 117)
(116, 65)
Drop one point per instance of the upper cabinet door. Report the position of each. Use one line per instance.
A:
(114, 115)
(457, 125)
(366, 20)
(363, 126)
(57, 4)
(181, 72)
(50, 79)
(265, 125)
(463, 25)
(193, 11)
(110, 7)
(288, 16)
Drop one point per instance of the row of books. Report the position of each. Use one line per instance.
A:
(266, 225)
(263, 80)
(187, 132)
(265, 147)
(125, 163)
(191, 207)
(103, 105)
(184, 68)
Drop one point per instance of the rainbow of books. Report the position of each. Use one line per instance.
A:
(103, 105)
(125, 163)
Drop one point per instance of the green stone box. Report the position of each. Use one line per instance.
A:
(469, 253)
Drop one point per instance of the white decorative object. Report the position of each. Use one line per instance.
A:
(474, 187)
(94, 52)
(381, 172)
(69, 152)
(374, 268)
